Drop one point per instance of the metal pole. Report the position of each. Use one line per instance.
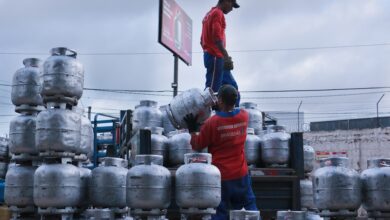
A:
(377, 110)
(298, 114)
(175, 75)
(89, 112)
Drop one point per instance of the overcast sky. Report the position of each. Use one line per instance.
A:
(275, 45)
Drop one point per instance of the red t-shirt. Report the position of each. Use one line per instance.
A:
(213, 30)
(224, 134)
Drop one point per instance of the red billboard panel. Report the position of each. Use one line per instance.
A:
(175, 30)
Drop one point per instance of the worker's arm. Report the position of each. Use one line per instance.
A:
(220, 46)
(199, 140)
(218, 37)
(202, 139)
(227, 60)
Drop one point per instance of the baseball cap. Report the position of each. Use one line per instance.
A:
(235, 5)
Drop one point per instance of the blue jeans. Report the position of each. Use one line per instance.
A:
(236, 194)
(216, 76)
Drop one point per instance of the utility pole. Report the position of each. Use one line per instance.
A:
(298, 114)
(377, 111)
(175, 75)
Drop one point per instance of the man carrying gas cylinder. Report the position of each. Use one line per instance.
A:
(224, 134)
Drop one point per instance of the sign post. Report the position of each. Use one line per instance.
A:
(175, 34)
(175, 75)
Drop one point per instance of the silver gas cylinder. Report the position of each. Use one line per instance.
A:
(244, 215)
(58, 130)
(63, 74)
(376, 187)
(22, 136)
(252, 147)
(19, 187)
(335, 186)
(159, 143)
(166, 123)
(198, 183)
(308, 158)
(57, 186)
(306, 186)
(85, 177)
(291, 215)
(107, 187)
(255, 116)
(148, 184)
(275, 149)
(27, 83)
(146, 114)
(179, 143)
(86, 136)
(192, 101)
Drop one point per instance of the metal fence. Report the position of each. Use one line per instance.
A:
(349, 124)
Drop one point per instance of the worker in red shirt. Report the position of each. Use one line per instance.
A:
(224, 134)
(217, 61)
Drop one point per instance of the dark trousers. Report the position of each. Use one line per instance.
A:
(216, 76)
(236, 194)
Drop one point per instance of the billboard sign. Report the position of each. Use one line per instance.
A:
(175, 30)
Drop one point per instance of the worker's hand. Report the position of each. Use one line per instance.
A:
(228, 63)
(192, 122)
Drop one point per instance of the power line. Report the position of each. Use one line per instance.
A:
(315, 96)
(318, 90)
(232, 51)
(144, 91)
(313, 48)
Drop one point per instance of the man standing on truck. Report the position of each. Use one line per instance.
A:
(217, 61)
(224, 134)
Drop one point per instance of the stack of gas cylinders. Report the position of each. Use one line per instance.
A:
(339, 191)
(48, 144)
(309, 211)
(196, 181)
(306, 185)
(19, 182)
(265, 148)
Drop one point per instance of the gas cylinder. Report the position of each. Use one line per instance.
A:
(63, 74)
(306, 187)
(19, 186)
(335, 186)
(178, 145)
(58, 129)
(308, 158)
(193, 101)
(107, 187)
(22, 134)
(27, 84)
(252, 147)
(146, 114)
(57, 185)
(198, 182)
(275, 148)
(376, 186)
(159, 143)
(148, 184)
(255, 116)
